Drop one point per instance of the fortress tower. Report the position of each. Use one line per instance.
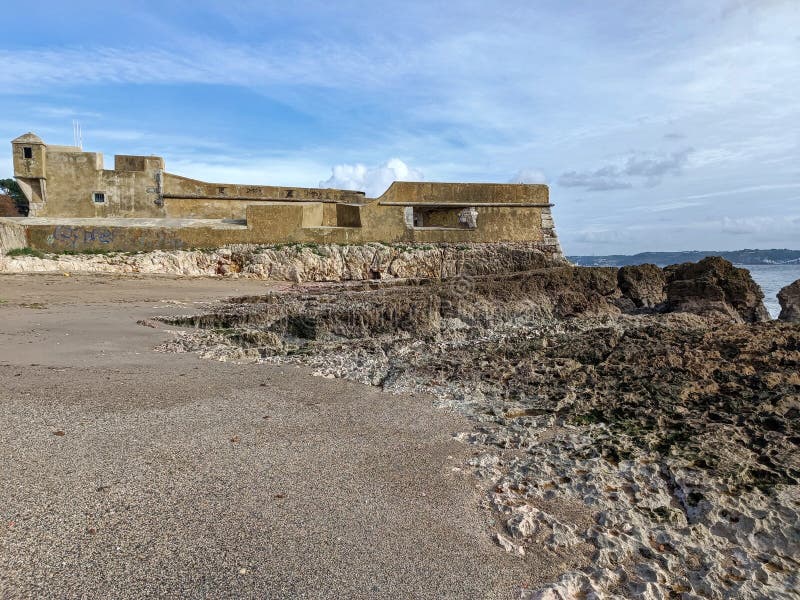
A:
(30, 168)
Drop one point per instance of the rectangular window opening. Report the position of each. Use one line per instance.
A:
(27, 152)
(99, 197)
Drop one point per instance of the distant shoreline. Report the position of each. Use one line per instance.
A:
(662, 259)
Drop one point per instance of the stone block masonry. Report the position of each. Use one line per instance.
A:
(77, 205)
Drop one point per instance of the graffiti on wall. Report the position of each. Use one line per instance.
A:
(77, 238)
(157, 238)
(66, 235)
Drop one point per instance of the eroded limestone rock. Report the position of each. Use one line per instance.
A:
(652, 455)
(789, 297)
(302, 262)
(643, 285)
(713, 286)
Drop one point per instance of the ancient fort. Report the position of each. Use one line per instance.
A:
(76, 204)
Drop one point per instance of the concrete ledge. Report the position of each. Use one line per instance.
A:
(121, 222)
(476, 204)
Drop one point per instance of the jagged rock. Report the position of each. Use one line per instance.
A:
(509, 546)
(298, 262)
(572, 585)
(655, 454)
(565, 291)
(643, 285)
(789, 297)
(713, 286)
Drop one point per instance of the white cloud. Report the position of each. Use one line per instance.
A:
(528, 176)
(769, 226)
(372, 180)
(601, 180)
(651, 168)
(601, 236)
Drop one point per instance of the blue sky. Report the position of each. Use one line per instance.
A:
(658, 125)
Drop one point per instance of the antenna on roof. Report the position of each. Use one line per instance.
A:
(77, 134)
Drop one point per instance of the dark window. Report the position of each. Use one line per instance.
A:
(27, 152)
(99, 197)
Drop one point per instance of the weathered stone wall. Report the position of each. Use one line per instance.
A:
(29, 157)
(60, 181)
(232, 209)
(72, 177)
(191, 198)
(64, 183)
(276, 223)
(12, 236)
(470, 193)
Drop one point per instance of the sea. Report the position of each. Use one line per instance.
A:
(772, 278)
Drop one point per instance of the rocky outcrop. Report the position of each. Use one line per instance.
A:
(789, 297)
(643, 285)
(710, 287)
(421, 307)
(713, 286)
(298, 262)
(654, 455)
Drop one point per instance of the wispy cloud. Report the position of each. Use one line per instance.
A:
(601, 180)
(777, 226)
(63, 112)
(649, 169)
(601, 236)
(204, 61)
(746, 190)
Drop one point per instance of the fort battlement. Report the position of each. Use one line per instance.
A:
(76, 204)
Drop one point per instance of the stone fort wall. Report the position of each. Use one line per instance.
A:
(78, 205)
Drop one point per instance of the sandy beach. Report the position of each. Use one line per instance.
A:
(130, 473)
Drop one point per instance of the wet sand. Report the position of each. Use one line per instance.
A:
(129, 473)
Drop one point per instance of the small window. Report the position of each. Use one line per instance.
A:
(99, 197)
(27, 152)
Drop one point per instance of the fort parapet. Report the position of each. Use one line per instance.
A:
(76, 204)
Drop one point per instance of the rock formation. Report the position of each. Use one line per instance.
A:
(789, 297)
(711, 287)
(643, 285)
(653, 454)
(297, 262)
(714, 286)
